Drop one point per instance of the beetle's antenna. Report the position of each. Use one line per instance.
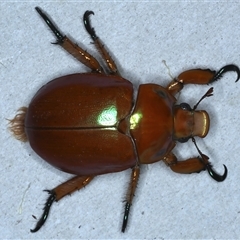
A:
(56, 32)
(44, 216)
(209, 93)
(212, 173)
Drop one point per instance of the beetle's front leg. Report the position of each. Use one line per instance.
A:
(59, 192)
(190, 165)
(130, 195)
(199, 76)
(194, 165)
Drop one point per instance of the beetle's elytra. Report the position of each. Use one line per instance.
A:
(88, 124)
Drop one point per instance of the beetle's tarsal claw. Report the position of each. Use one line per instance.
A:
(88, 26)
(125, 217)
(56, 43)
(227, 68)
(214, 175)
(46, 209)
(50, 24)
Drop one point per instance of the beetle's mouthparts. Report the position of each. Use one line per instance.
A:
(201, 123)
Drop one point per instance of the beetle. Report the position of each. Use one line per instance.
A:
(88, 124)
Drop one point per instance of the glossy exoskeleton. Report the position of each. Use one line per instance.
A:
(88, 124)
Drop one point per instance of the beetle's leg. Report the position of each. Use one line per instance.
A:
(193, 165)
(190, 165)
(131, 192)
(199, 76)
(208, 166)
(83, 56)
(59, 192)
(225, 69)
(99, 45)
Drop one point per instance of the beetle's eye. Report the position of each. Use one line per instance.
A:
(185, 106)
(183, 140)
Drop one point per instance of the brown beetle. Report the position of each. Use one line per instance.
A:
(87, 124)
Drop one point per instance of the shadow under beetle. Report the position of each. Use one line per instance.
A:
(87, 123)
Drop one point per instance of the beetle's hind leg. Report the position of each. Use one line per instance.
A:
(130, 195)
(99, 45)
(81, 55)
(59, 192)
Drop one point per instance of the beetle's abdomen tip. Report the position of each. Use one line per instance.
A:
(17, 125)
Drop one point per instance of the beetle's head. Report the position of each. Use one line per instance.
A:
(189, 123)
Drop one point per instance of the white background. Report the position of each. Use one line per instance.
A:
(139, 36)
